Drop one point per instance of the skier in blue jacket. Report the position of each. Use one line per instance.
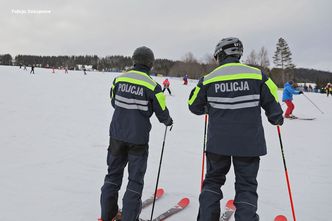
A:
(287, 97)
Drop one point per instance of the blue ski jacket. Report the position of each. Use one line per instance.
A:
(232, 95)
(288, 92)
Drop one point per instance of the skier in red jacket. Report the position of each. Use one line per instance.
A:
(166, 85)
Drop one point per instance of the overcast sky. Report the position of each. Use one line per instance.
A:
(171, 28)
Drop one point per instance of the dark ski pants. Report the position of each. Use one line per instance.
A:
(169, 91)
(119, 154)
(246, 169)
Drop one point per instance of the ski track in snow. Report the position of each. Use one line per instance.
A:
(54, 138)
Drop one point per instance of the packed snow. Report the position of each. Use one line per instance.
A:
(54, 139)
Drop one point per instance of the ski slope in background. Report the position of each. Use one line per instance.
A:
(54, 138)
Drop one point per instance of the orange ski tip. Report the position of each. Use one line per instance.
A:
(184, 202)
(160, 192)
(230, 204)
(280, 218)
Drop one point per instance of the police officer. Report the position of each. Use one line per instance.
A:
(135, 97)
(232, 95)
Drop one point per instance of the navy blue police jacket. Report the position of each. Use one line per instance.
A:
(135, 97)
(232, 95)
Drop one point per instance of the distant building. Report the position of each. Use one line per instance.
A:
(306, 87)
(82, 66)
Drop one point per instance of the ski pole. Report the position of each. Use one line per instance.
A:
(313, 104)
(204, 149)
(286, 173)
(160, 162)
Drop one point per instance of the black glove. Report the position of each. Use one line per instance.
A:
(206, 110)
(169, 122)
(280, 121)
(301, 92)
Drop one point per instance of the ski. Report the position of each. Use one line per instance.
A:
(305, 118)
(280, 218)
(229, 211)
(302, 118)
(160, 192)
(183, 203)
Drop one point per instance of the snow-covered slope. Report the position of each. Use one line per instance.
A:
(54, 136)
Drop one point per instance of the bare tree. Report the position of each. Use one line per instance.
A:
(263, 58)
(209, 63)
(210, 60)
(189, 58)
(189, 65)
(6, 59)
(252, 58)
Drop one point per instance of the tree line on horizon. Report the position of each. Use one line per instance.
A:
(283, 69)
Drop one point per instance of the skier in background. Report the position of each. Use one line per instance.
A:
(84, 71)
(66, 70)
(287, 97)
(233, 95)
(185, 79)
(166, 85)
(328, 89)
(135, 97)
(32, 70)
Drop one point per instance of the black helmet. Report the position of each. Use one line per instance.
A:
(229, 47)
(143, 55)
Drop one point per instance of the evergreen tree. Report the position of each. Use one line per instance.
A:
(283, 56)
(283, 59)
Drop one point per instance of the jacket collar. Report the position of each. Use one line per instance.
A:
(229, 60)
(142, 68)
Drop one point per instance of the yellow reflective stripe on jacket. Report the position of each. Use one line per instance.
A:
(161, 98)
(233, 77)
(232, 71)
(273, 89)
(113, 86)
(137, 77)
(237, 64)
(194, 96)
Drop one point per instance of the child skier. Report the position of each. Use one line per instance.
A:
(287, 97)
(185, 79)
(166, 85)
